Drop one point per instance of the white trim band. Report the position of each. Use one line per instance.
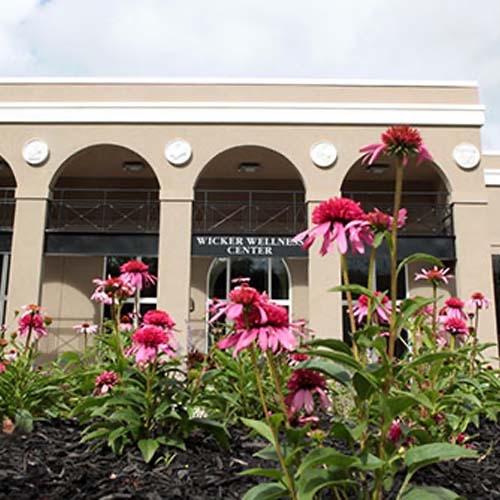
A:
(241, 112)
(492, 177)
(339, 82)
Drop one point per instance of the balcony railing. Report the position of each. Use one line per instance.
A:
(7, 208)
(96, 211)
(428, 212)
(221, 211)
(249, 212)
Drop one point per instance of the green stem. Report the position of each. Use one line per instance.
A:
(398, 190)
(473, 353)
(345, 279)
(277, 447)
(136, 307)
(150, 375)
(434, 308)
(371, 269)
(277, 383)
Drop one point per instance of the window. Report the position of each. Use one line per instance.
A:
(496, 285)
(148, 295)
(4, 283)
(267, 274)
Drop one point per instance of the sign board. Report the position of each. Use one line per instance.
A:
(228, 245)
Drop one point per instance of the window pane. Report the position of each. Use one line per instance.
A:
(218, 280)
(384, 278)
(151, 290)
(496, 283)
(279, 278)
(255, 269)
(113, 265)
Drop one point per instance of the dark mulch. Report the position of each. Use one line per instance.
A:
(51, 463)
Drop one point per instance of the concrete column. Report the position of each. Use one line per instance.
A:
(174, 263)
(25, 275)
(474, 264)
(325, 308)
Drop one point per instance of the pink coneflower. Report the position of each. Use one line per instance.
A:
(453, 308)
(434, 275)
(395, 431)
(112, 290)
(303, 385)
(148, 342)
(136, 273)
(455, 326)
(105, 382)
(383, 311)
(158, 318)
(295, 358)
(3, 367)
(401, 141)
(31, 322)
(271, 330)
(86, 328)
(243, 298)
(338, 220)
(126, 323)
(11, 355)
(380, 221)
(477, 301)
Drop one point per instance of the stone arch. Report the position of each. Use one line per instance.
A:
(104, 187)
(273, 165)
(7, 175)
(426, 191)
(105, 162)
(245, 180)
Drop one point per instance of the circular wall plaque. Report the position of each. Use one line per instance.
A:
(178, 152)
(323, 154)
(466, 155)
(35, 152)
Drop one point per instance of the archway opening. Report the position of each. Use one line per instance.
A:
(7, 209)
(428, 228)
(103, 211)
(249, 203)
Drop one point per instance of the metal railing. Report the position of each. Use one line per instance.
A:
(249, 212)
(7, 208)
(96, 211)
(429, 214)
(222, 211)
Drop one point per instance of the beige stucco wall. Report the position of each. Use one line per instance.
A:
(311, 91)
(66, 291)
(180, 275)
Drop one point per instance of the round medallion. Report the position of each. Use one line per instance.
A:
(35, 152)
(178, 152)
(466, 155)
(323, 154)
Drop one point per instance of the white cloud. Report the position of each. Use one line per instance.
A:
(431, 39)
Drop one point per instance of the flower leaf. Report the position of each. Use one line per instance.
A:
(432, 453)
(261, 428)
(265, 491)
(429, 493)
(148, 448)
(418, 257)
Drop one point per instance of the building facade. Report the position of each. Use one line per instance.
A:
(207, 181)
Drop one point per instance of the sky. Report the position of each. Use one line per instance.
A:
(318, 39)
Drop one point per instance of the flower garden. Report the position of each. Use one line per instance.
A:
(321, 418)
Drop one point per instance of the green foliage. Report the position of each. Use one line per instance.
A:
(148, 408)
(29, 391)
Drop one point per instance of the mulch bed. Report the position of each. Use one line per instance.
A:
(51, 463)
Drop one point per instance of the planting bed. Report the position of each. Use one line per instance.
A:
(51, 463)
